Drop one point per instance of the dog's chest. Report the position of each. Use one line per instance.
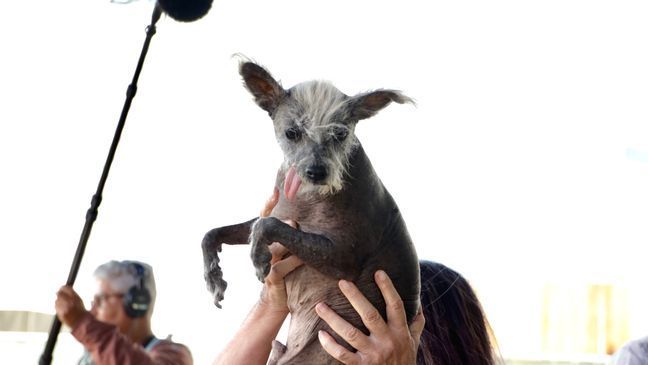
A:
(320, 216)
(306, 287)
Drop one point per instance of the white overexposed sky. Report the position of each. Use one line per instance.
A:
(524, 161)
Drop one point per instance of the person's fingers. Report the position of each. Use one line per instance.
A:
(270, 204)
(344, 329)
(64, 297)
(61, 301)
(336, 350)
(68, 299)
(291, 223)
(66, 291)
(416, 327)
(69, 306)
(61, 295)
(394, 304)
(282, 268)
(368, 313)
(278, 252)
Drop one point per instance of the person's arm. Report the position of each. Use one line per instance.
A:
(104, 341)
(109, 347)
(391, 342)
(252, 343)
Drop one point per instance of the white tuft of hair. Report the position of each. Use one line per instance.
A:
(320, 99)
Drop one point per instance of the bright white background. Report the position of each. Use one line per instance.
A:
(524, 162)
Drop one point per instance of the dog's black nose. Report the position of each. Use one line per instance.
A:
(316, 173)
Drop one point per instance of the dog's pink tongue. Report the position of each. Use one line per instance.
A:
(291, 183)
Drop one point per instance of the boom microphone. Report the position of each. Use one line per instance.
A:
(185, 10)
(180, 10)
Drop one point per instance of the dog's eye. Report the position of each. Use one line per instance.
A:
(292, 133)
(339, 134)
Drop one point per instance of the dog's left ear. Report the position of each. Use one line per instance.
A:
(366, 105)
(267, 92)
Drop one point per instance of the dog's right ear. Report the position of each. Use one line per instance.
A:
(267, 92)
(366, 105)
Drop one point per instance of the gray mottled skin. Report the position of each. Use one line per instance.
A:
(349, 225)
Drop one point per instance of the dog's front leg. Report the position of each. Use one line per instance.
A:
(236, 234)
(335, 259)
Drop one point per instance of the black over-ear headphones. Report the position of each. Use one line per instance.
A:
(138, 299)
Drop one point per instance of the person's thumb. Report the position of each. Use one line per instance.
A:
(270, 204)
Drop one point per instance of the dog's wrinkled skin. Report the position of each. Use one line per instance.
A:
(349, 225)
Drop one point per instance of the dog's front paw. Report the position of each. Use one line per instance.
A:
(261, 256)
(262, 266)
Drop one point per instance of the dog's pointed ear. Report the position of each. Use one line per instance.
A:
(267, 92)
(366, 105)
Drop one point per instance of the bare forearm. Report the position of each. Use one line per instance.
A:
(252, 343)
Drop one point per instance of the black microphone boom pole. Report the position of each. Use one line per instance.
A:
(91, 215)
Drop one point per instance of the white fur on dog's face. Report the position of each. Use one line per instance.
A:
(316, 112)
(314, 124)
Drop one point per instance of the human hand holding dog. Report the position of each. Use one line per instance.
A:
(391, 342)
(253, 341)
(274, 294)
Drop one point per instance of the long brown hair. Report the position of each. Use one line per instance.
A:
(456, 330)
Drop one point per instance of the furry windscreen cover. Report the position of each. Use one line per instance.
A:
(185, 10)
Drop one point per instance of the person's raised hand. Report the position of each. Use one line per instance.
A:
(274, 294)
(392, 342)
(69, 306)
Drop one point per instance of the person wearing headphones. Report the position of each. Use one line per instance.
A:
(117, 329)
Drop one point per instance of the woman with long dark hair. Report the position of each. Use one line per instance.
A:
(456, 331)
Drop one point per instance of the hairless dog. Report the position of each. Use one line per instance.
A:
(349, 224)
